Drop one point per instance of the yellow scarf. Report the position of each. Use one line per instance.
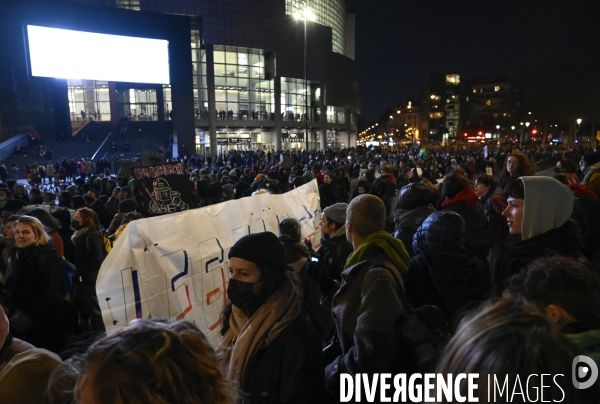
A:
(392, 247)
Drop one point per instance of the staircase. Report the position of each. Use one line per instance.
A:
(89, 139)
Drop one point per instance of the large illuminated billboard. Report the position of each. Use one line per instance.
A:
(68, 54)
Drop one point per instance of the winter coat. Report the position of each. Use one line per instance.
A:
(514, 254)
(334, 252)
(365, 310)
(89, 254)
(408, 221)
(40, 295)
(329, 195)
(289, 370)
(455, 282)
(478, 234)
(493, 206)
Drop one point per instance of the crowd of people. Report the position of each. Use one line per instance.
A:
(504, 264)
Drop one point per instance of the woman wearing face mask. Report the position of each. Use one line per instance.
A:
(538, 213)
(89, 254)
(517, 165)
(41, 315)
(268, 346)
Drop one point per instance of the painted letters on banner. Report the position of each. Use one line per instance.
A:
(175, 266)
(165, 188)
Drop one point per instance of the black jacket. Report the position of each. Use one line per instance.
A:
(89, 254)
(407, 222)
(510, 257)
(290, 370)
(452, 281)
(478, 234)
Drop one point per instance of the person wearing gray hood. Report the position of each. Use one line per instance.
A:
(538, 213)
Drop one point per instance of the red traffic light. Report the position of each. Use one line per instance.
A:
(480, 133)
(534, 131)
(466, 134)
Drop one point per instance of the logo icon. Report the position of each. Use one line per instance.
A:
(584, 372)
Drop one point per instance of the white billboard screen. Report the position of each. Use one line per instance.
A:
(68, 54)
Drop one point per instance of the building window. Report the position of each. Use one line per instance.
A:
(241, 91)
(330, 13)
(497, 88)
(88, 100)
(453, 79)
(488, 102)
(336, 115)
(128, 4)
(199, 79)
(436, 115)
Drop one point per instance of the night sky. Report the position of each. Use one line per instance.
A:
(400, 43)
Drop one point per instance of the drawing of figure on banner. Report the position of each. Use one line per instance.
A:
(163, 199)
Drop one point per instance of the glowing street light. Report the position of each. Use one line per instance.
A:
(305, 14)
(578, 121)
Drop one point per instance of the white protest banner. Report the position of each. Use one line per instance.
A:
(175, 266)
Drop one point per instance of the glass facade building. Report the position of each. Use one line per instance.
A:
(246, 87)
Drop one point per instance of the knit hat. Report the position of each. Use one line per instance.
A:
(261, 248)
(127, 205)
(259, 177)
(273, 175)
(233, 174)
(336, 212)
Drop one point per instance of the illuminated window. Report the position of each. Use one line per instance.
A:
(330, 13)
(453, 79)
(488, 102)
(436, 115)
(497, 88)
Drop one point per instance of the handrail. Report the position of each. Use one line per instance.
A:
(98, 151)
(78, 128)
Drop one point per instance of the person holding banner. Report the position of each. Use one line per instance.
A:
(268, 346)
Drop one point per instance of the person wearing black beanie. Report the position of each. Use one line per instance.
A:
(263, 319)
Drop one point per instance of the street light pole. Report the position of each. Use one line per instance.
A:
(305, 92)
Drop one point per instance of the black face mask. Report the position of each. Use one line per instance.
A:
(75, 225)
(557, 170)
(242, 295)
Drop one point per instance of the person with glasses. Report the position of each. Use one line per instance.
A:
(517, 165)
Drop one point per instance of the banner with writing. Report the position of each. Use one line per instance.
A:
(165, 188)
(175, 266)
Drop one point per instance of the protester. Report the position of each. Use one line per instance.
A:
(570, 295)
(263, 319)
(40, 314)
(89, 254)
(441, 273)
(511, 339)
(414, 205)
(493, 204)
(370, 301)
(459, 197)
(517, 165)
(538, 215)
(152, 362)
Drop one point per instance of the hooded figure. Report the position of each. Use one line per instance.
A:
(441, 273)
(538, 213)
(414, 206)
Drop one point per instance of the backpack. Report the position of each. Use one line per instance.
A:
(421, 334)
(106, 243)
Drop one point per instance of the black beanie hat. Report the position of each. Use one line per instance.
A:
(261, 248)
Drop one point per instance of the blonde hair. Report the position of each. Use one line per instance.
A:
(41, 238)
(154, 362)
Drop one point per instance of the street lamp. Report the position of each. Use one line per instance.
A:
(305, 14)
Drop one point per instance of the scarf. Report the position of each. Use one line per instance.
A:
(468, 196)
(392, 247)
(247, 335)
